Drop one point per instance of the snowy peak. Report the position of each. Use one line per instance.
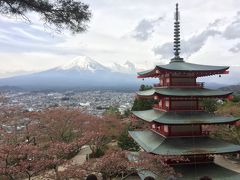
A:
(83, 63)
(127, 67)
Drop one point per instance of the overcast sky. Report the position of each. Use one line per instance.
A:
(134, 30)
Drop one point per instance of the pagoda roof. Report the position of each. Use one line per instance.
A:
(182, 66)
(157, 144)
(191, 171)
(212, 170)
(183, 117)
(196, 171)
(184, 92)
(142, 173)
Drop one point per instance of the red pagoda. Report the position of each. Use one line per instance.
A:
(177, 119)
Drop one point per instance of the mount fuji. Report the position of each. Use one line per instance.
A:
(81, 73)
(84, 73)
(83, 63)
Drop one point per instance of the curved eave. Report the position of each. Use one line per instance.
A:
(147, 115)
(190, 67)
(201, 70)
(191, 171)
(184, 92)
(147, 73)
(183, 118)
(196, 171)
(154, 143)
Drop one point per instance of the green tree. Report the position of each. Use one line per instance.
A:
(62, 14)
(210, 105)
(236, 99)
(145, 87)
(127, 113)
(142, 104)
(125, 142)
(112, 111)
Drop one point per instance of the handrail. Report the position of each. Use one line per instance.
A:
(182, 84)
(179, 108)
(187, 107)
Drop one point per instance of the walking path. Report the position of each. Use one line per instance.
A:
(79, 159)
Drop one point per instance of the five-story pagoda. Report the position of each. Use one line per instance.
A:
(177, 119)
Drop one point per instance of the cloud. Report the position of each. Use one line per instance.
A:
(191, 45)
(196, 42)
(235, 49)
(232, 32)
(233, 29)
(21, 37)
(145, 28)
(188, 47)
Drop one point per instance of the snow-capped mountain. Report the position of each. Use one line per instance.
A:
(85, 73)
(83, 63)
(128, 67)
(82, 73)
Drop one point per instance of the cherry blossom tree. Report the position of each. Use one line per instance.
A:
(122, 164)
(49, 139)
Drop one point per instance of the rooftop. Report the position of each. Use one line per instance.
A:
(184, 92)
(193, 171)
(183, 66)
(181, 118)
(157, 144)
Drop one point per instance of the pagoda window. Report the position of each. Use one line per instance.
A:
(186, 130)
(183, 81)
(168, 81)
(167, 104)
(186, 75)
(161, 82)
(160, 104)
(165, 128)
(184, 105)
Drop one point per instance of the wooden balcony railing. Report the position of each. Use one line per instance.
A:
(182, 84)
(179, 108)
(187, 108)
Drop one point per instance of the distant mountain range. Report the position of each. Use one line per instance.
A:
(85, 73)
(218, 81)
(81, 73)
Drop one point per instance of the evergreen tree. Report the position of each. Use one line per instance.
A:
(112, 111)
(127, 143)
(210, 105)
(142, 104)
(145, 87)
(59, 14)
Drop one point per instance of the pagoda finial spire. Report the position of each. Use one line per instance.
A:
(176, 44)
